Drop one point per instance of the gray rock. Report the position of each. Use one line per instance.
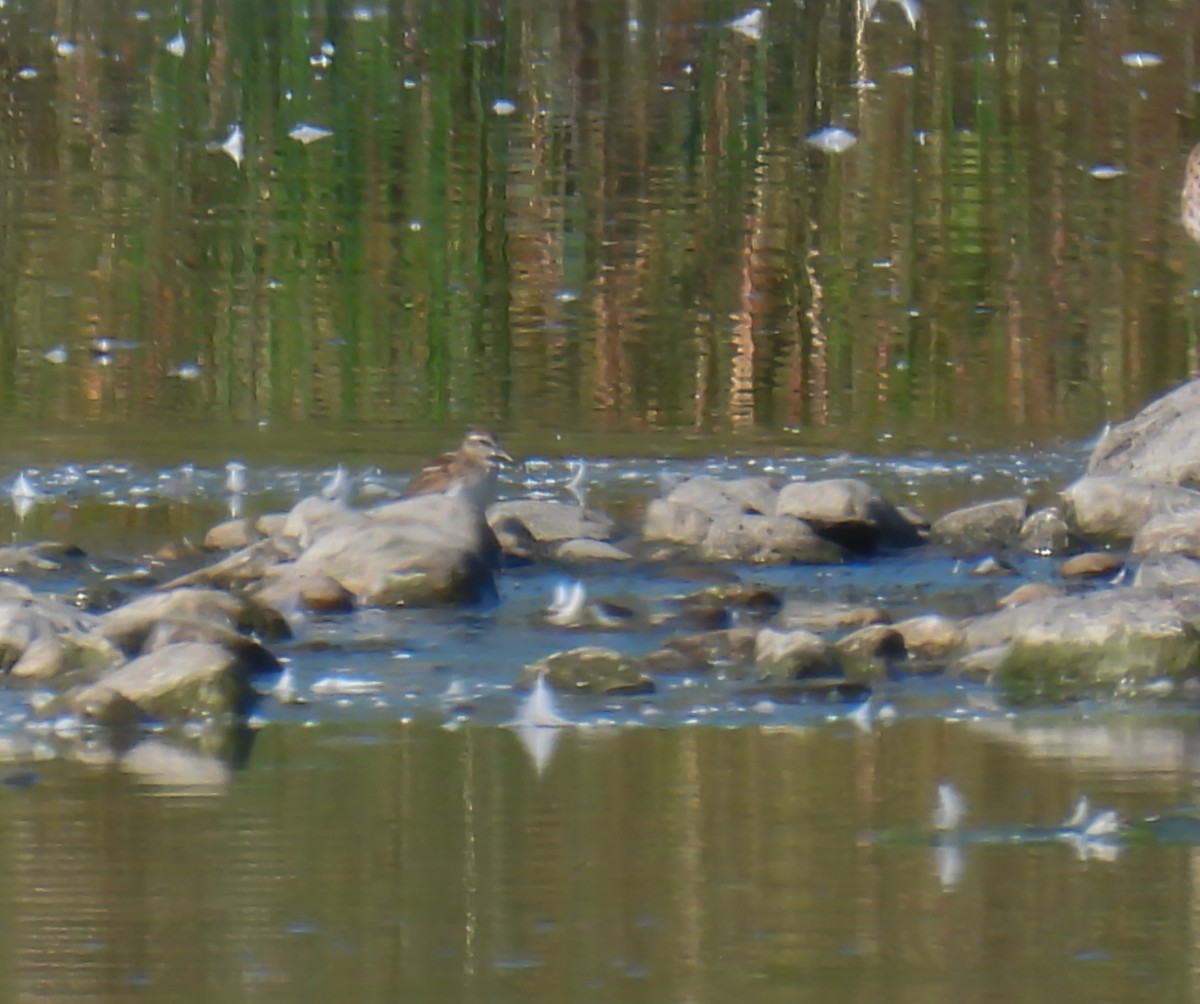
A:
(585, 550)
(1116, 508)
(848, 511)
(129, 626)
(674, 523)
(827, 615)
(689, 509)
(1160, 444)
(980, 528)
(767, 540)
(230, 535)
(292, 591)
(1116, 642)
(930, 635)
(1167, 570)
(419, 551)
(313, 517)
(715, 497)
(1046, 532)
(41, 638)
(243, 567)
(187, 680)
(1168, 533)
(780, 656)
(551, 522)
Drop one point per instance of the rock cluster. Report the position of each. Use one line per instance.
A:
(198, 648)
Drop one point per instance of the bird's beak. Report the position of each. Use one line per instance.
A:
(503, 455)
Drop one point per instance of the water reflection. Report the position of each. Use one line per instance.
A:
(651, 864)
(586, 219)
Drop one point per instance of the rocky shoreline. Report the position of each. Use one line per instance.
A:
(1119, 619)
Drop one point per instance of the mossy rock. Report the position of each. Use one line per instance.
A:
(590, 670)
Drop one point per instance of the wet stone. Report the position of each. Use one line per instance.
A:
(930, 635)
(981, 528)
(585, 550)
(1046, 532)
(1029, 592)
(849, 512)
(821, 616)
(589, 669)
(230, 535)
(1116, 508)
(792, 655)
(872, 652)
(1091, 565)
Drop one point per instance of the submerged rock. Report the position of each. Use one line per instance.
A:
(589, 669)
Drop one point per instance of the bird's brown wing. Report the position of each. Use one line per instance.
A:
(433, 477)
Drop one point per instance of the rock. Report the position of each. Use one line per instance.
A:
(1115, 642)
(313, 517)
(930, 635)
(290, 590)
(715, 497)
(1168, 533)
(790, 655)
(674, 523)
(981, 528)
(271, 524)
(1116, 508)
(41, 639)
(1161, 444)
(993, 566)
(1030, 592)
(872, 652)
(849, 512)
(1045, 532)
(243, 567)
(767, 540)
(826, 615)
(550, 522)
(230, 535)
(686, 513)
(591, 670)
(1168, 570)
(187, 680)
(704, 651)
(129, 626)
(585, 550)
(1091, 565)
(425, 550)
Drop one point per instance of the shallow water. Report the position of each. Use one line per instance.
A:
(601, 229)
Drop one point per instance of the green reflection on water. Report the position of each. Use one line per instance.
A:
(646, 241)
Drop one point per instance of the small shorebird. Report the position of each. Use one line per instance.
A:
(1189, 203)
(470, 472)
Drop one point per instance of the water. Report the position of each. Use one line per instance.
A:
(337, 234)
